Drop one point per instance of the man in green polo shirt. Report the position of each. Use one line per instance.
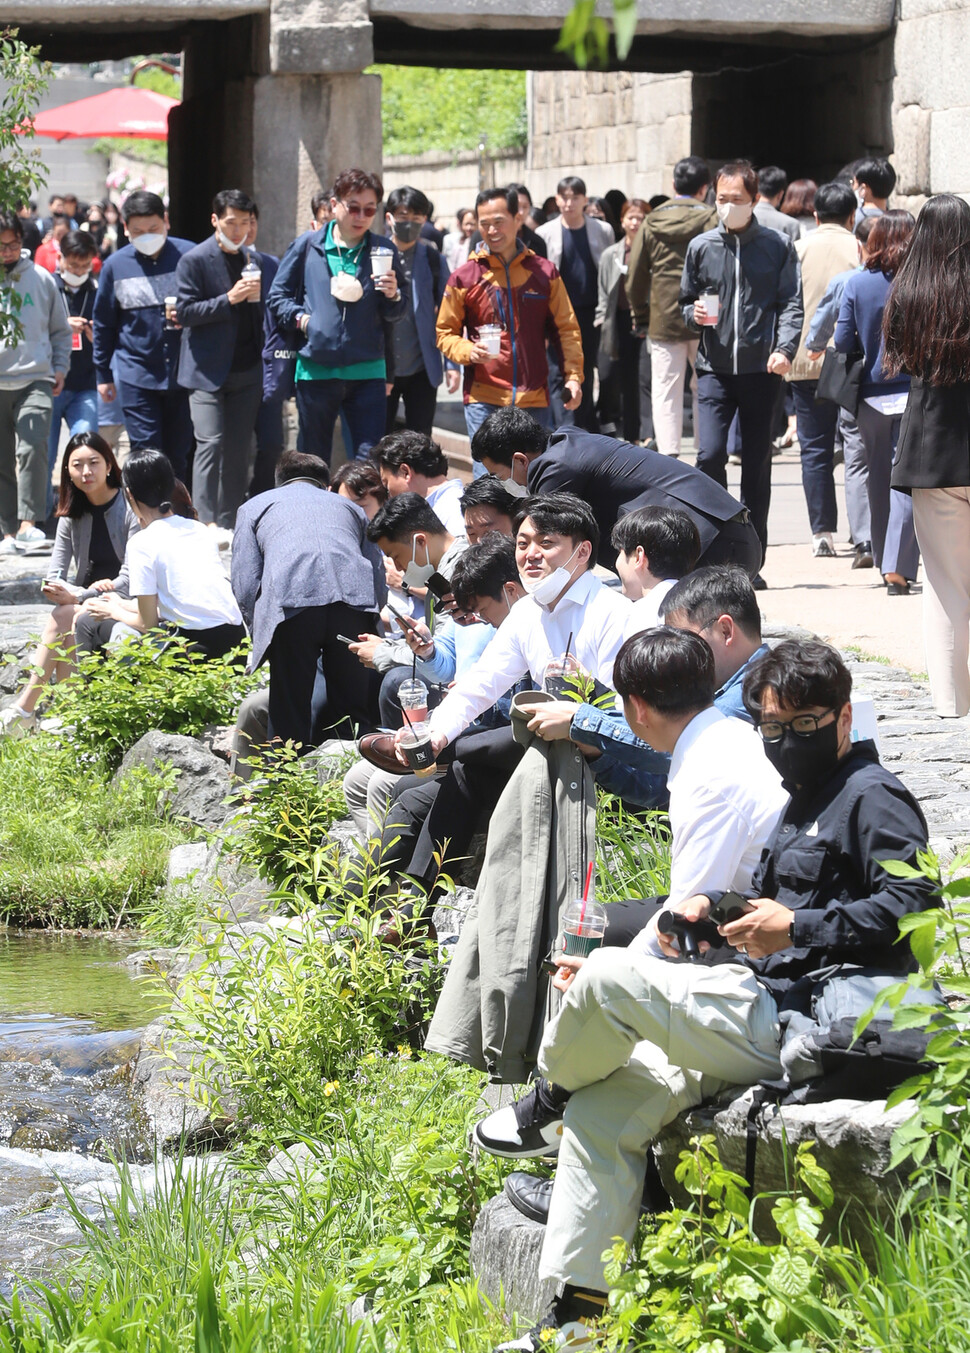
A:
(338, 286)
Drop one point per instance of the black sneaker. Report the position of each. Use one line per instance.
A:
(566, 1325)
(532, 1126)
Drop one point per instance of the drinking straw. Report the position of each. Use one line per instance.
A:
(565, 656)
(589, 879)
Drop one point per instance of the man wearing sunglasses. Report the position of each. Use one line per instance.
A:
(639, 1037)
(336, 289)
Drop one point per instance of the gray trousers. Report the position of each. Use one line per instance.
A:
(856, 473)
(25, 424)
(224, 421)
(637, 1040)
(894, 547)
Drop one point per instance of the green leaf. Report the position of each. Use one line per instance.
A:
(900, 869)
(790, 1274)
(797, 1219)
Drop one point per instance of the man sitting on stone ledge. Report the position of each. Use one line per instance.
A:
(641, 1036)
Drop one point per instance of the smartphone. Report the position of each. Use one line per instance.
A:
(344, 640)
(731, 906)
(406, 620)
(438, 586)
(549, 965)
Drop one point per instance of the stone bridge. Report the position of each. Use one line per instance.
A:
(274, 98)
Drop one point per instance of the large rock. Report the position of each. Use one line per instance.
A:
(164, 1086)
(203, 780)
(504, 1257)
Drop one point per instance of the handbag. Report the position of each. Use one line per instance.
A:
(840, 380)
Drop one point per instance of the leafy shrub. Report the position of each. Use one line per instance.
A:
(632, 851)
(122, 694)
(76, 847)
(448, 110)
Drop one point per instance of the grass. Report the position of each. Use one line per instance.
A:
(77, 848)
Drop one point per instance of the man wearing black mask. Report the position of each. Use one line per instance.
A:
(639, 1038)
(417, 363)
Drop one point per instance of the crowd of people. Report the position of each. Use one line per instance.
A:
(582, 613)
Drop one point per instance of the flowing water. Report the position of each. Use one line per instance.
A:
(70, 1022)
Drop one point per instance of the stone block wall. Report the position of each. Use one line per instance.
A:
(931, 98)
(452, 180)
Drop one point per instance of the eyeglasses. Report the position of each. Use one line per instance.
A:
(355, 209)
(7, 245)
(803, 726)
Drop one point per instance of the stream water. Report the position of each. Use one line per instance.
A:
(70, 1020)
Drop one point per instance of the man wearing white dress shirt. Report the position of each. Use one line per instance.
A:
(655, 548)
(568, 610)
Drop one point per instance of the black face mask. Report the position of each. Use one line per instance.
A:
(406, 231)
(805, 761)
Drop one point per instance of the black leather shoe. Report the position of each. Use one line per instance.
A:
(529, 1194)
(863, 556)
(758, 583)
(378, 749)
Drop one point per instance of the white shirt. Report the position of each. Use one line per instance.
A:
(595, 616)
(443, 499)
(725, 800)
(177, 560)
(646, 613)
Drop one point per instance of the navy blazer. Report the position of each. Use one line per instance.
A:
(297, 546)
(209, 320)
(429, 277)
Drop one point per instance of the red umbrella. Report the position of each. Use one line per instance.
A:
(126, 111)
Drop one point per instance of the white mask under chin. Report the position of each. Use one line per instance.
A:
(229, 245)
(416, 575)
(514, 489)
(546, 590)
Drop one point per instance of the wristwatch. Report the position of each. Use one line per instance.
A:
(791, 931)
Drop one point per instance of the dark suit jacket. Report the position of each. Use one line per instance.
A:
(615, 478)
(299, 546)
(934, 441)
(209, 322)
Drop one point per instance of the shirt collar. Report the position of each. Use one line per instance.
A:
(580, 592)
(697, 726)
(742, 671)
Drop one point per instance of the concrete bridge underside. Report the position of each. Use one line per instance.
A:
(274, 98)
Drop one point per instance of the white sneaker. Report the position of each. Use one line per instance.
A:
(8, 546)
(822, 546)
(33, 541)
(15, 722)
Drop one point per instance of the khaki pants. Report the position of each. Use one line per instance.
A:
(669, 367)
(942, 521)
(638, 1039)
(25, 423)
(367, 790)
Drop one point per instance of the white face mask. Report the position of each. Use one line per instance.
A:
(75, 279)
(344, 287)
(149, 244)
(229, 245)
(546, 590)
(860, 199)
(416, 575)
(734, 215)
(516, 490)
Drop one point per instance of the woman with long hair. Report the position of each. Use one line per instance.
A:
(620, 345)
(882, 397)
(175, 575)
(94, 525)
(927, 335)
(799, 204)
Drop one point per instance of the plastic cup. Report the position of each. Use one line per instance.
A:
(711, 302)
(583, 927)
(171, 317)
(491, 336)
(556, 674)
(412, 696)
(381, 263)
(253, 273)
(418, 751)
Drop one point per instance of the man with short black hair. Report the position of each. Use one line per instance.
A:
(418, 367)
(410, 462)
(575, 243)
(505, 285)
(653, 286)
(131, 331)
(615, 477)
(772, 183)
(304, 573)
(329, 296)
(655, 546)
(220, 309)
(822, 254)
(873, 179)
(487, 507)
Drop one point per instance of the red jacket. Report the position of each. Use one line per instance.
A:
(528, 299)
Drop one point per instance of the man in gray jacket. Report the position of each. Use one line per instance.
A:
(304, 574)
(741, 291)
(32, 373)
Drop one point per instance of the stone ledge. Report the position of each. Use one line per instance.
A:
(330, 49)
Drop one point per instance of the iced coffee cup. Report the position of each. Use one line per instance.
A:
(417, 749)
(711, 302)
(491, 336)
(583, 927)
(381, 262)
(412, 696)
(171, 317)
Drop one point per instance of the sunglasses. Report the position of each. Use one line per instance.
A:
(355, 209)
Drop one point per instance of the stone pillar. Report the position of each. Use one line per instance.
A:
(931, 100)
(314, 113)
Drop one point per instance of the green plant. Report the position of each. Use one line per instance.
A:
(123, 693)
(585, 35)
(701, 1281)
(77, 847)
(632, 851)
(23, 80)
(449, 110)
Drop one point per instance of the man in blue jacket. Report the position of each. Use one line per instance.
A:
(221, 313)
(130, 329)
(417, 359)
(330, 289)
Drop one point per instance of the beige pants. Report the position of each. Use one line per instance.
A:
(942, 521)
(367, 790)
(638, 1039)
(669, 373)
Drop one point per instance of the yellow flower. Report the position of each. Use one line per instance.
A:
(330, 1088)
(404, 1052)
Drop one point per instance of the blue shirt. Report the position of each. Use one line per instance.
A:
(860, 325)
(129, 319)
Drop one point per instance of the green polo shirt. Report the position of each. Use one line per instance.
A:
(341, 260)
